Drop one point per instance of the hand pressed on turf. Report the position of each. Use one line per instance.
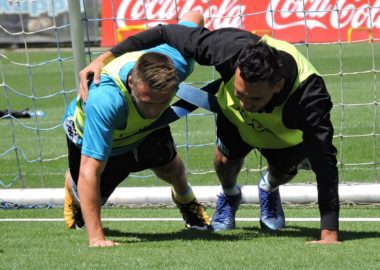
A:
(327, 237)
(104, 243)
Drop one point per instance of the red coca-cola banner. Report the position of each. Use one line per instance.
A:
(291, 20)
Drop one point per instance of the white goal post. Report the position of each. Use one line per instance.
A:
(290, 194)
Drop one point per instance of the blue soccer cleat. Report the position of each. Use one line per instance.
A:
(226, 207)
(272, 215)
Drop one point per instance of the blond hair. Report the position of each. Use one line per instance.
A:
(157, 71)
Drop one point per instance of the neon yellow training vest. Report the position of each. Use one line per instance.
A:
(265, 130)
(135, 122)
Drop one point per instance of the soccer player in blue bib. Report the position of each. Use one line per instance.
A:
(107, 136)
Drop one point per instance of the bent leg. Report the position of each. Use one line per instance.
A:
(228, 161)
(174, 174)
(282, 167)
(193, 213)
(158, 153)
(283, 163)
(71, 209)
(227, 169)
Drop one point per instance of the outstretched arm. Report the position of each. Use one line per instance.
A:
(89, 195)
(314, 120)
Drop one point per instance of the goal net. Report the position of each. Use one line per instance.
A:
(37, 77)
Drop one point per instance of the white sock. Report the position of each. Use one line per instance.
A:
(264, 183)
(185, 197)
(232, 191)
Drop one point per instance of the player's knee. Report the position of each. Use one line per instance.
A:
(280, 176)
(173, 170)
(219, 158)
(222, 162)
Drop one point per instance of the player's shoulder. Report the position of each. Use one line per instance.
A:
(105, 95)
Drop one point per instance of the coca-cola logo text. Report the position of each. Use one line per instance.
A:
(226, 14)
(323, 14)
(290, 20)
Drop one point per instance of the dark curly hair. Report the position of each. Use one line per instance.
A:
(260, 62)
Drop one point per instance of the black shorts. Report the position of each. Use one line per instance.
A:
(157, 149)
(231, 144)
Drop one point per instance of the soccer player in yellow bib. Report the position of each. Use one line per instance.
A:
(271, 99)
(106, 144)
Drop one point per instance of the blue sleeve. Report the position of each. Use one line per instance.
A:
(184, 66)
(106, 111)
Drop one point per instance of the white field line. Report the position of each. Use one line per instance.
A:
(346, 219)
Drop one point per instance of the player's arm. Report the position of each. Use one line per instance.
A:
(89, 194)
(220, 48)
(318, 134)
(101, 108)
(94, 68)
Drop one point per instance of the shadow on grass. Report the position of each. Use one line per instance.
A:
(312, 233)
(185, 234)
(240, 234)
